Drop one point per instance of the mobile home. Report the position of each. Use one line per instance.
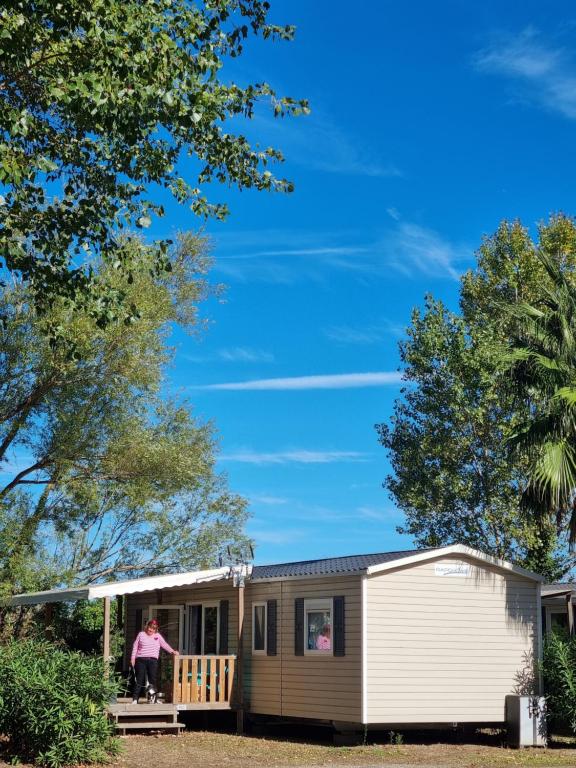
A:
(428, 637)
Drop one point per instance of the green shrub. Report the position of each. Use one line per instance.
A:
(80, 624)
(52, 705)
(559, 672)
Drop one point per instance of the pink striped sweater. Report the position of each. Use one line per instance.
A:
(148, 646)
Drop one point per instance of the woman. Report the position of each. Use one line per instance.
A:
(323, 640)
(144, 658)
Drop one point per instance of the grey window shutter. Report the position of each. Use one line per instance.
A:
(339, 627)
(271, 632)
(299, 626)
(223, 649)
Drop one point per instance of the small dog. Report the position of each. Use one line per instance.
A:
(151, 694)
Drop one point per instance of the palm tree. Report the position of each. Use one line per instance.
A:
(541, 362)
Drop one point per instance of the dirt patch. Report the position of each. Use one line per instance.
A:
(202, 749)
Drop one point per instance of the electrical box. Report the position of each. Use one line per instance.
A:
(526, 721)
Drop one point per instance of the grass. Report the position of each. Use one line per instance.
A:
(203, 749)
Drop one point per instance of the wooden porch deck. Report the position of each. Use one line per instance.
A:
(204, 682)
(198, 683)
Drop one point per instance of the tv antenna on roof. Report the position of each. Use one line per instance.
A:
(241, 555)
(240, 560)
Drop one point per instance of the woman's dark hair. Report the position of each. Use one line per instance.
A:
(152, 623)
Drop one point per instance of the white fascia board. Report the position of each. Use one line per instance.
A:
(454, 549)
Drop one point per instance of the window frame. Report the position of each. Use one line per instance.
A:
(153, 610)
(555, 609)
(318, 604)
(260, 651)
(216, 605)
(203, 606)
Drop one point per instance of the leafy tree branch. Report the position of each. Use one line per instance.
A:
(117, 479)
(98, 102)
(450, 440)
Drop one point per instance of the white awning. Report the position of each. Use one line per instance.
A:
(112, 589)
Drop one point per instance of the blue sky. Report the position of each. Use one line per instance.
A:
(430, 123)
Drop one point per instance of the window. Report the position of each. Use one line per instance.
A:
(210, 629)
(171, 621)
(194, 639)
(259, 628)
(203, 629)
(318, 626)
(557, 620)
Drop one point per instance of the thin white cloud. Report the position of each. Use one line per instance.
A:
(411, 248)
(299, 257)
(370, 513)
(289, 257)
(547, 73)
(363, 516)
(317, 142)
(344, 334)
(363, 335)
(334, 381)
(267, 499)
(245, 355)
(296, 456)
(321, 251)
(233, 355)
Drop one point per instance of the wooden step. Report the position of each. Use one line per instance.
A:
(151, 719)
(144, 717)
(149, 725)
(128, 700)
(141, 709)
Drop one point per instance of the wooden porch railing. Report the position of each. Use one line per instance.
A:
(203, 679)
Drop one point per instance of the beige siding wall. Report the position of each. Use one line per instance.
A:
(262, 674)
(444, 649)
(222, 590)
(323, 687)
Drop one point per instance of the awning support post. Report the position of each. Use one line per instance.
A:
(120, 611)
(239, 583)
(106, 637)
(48, 621)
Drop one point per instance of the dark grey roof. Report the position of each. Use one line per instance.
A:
(347, 564)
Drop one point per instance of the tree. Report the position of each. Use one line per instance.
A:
(101, 474)
(542, 363)
(449, 440)
(100, 102)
